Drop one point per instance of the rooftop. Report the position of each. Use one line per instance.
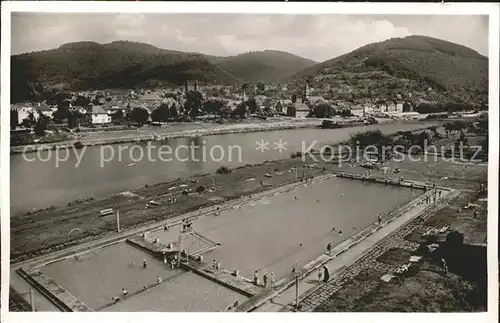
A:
(97, 109)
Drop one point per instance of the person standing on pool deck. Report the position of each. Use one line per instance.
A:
(124, 292)
(272, 279)
(329, 248)
(320, 276)
(265, 280)
(326, 274)
(379, 218)
(144, 264)
(158, 280)
(256, 278)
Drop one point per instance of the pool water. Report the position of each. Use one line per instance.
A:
(188, 292)
(99, 277)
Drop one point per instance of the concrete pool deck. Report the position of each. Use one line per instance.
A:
(344, 247)
(344, 255)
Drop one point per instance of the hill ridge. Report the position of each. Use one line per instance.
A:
(413, 67)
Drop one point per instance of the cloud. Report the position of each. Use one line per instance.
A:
(129, 25)
(319, 37)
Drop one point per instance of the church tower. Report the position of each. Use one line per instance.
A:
(306, 91)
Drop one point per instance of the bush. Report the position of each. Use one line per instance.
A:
(223, 170)
(200, 189)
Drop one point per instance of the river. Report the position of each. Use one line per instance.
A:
(53, 178)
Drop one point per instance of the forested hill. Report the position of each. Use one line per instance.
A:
(413, 67)
(85, 65)
(124, 64)
(267, 66)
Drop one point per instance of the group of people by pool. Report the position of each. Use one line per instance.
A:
(267, 279)
(187, 225)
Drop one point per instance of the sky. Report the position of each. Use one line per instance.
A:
(318, 37)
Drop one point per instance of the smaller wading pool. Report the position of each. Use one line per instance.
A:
(98, 277)
(187, 292)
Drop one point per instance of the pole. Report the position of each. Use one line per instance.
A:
(118, 221)
(297, 292)
(32, 300)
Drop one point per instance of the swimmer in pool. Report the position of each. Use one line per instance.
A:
(317, 200)
(343, 195)
(340, 231)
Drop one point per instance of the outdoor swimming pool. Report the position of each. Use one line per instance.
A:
(270, 235)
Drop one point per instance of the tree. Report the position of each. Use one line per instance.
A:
(323, 110)
(14, 119)
(72, 118)
(29, 121)
(139, 115)
(161, 114)
(448, 127)
(482, 127)
(118, 115)
(62, 113)
(81, 101)
(462, 140)
(252, 105)
(40, 127)
(193, 104)
(346, 113)
(213, 106)
(61, 99)
(372, 138)
(173, 112)
(484, 146)
(261, 87)
(435, 133)
(225, 111)
(240, 111)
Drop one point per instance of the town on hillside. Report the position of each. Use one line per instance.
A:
(63, 112)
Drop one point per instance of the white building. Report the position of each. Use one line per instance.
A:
(301, 109)
(23, 112)
(99, 116)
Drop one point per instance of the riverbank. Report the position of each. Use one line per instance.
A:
(182, 130)
(96, 138)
